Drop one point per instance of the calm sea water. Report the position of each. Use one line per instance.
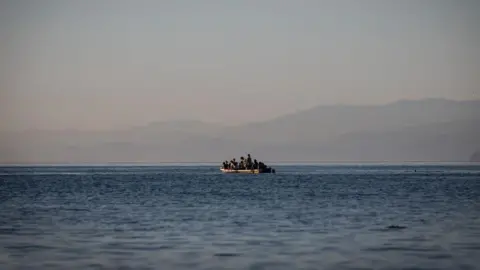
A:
(187, 217)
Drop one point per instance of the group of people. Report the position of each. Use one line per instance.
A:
(244, 164)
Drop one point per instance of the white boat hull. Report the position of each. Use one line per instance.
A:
(254, 171)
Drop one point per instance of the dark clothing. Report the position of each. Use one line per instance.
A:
(249, 161)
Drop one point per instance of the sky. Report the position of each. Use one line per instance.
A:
(110, 64)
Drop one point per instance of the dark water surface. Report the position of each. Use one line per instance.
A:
(187, 217)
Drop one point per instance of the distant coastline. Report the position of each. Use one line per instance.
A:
(475, 157)
(405, 132)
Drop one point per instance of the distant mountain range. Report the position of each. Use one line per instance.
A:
(475, 157)
(427, 130)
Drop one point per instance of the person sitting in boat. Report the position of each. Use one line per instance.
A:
(233, 164)
(242, 163)
(262, 166)
(255, 164)
(249, 161)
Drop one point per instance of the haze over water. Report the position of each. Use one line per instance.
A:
(193, 217)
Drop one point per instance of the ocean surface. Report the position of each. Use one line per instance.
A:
(194, 217)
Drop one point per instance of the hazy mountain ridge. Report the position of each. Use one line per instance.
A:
(323, 123)
(424, 130)
(475, 157)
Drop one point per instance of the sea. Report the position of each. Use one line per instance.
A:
(323, 216)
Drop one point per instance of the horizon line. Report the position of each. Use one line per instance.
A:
(200, 163)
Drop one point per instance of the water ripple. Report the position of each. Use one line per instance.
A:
(180, 217)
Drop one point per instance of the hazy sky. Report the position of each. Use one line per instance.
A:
(102, 64)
